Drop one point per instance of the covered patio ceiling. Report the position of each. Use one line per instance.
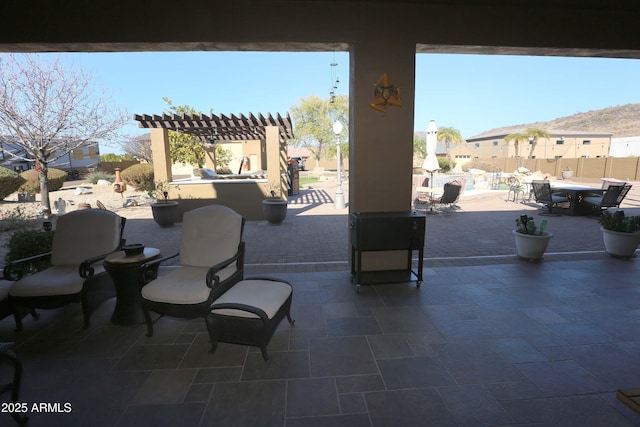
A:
(219, 128)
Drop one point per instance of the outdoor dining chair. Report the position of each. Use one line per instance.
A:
(612, 197)
(516, 189)
(543, 194)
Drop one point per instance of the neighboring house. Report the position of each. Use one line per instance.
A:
(461, 155)
(7, 160)
(303, 152)
(80, 159)
(441, 149)
(561, 144)
(625, 147)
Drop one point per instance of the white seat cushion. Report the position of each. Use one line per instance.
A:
(184, 285)
(56, 280)
(84, 234)
(267, 295)
(210, 235)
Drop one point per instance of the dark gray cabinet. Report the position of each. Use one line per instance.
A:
(386, 231)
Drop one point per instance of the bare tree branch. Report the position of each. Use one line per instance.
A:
(49, 111)
(139, 147)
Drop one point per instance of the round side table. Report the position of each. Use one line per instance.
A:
(124, 272)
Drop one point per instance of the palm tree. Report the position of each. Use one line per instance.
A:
(451, 136)
(534, 134)
(516, 138)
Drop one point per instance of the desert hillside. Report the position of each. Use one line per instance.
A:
(622, 121)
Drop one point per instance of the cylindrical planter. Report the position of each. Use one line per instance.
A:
(274, 210)
(531, 246)
(567, 174)
(620, 244)
(165, 213)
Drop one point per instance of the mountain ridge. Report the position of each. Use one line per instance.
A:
(621, 121)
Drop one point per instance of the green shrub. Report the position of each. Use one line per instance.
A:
(443, 162)
(56, 179)
(139, 176)
(223, 170)
(10, 182)
(476, 164)
(29, 242)
(94, 177)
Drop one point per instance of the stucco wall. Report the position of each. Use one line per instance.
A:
(625, 168)
(244, 196)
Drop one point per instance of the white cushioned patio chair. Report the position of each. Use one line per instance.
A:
(81, 241)
(5, 305)
(211, 261)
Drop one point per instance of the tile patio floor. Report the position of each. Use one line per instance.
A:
(487, 340)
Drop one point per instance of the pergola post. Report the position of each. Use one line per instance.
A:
(276, 162)
(161, 156)
(210, 158)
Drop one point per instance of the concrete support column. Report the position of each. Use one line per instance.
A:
(381, 144)
(161, 157)
(276, 162)
(210, 158)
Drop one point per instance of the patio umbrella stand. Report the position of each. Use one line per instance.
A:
(430, 163)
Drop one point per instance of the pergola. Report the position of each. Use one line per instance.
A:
(264, 138)
(219, 128)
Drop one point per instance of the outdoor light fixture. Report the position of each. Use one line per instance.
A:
(210, 141)
(339, 200)
(337, 128)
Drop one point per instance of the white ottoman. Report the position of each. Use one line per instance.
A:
(249, 312)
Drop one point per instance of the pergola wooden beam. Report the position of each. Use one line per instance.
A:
(225, 128)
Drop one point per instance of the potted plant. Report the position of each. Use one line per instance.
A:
(274, 209)
(165, 211)
(620, 233)
(567, 173)
(531, 240)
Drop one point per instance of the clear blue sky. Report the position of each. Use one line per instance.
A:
(472, 93)
(476, 93)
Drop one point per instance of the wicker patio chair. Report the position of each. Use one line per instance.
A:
(81, 241)
(211, 261)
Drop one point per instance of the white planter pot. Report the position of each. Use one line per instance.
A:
(567, 174)
(620, 244)
(531, 246)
